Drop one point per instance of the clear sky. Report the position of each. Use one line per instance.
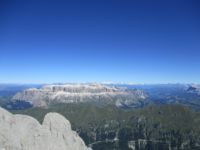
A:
(140, 41)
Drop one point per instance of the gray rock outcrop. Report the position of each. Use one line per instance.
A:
(21, 132)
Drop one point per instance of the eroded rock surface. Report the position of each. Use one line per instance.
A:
(75, 93)
(21, 132)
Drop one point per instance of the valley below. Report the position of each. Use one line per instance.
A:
(120, 117)
(156, 127)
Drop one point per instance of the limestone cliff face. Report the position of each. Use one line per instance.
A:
(74, 93)
(21, 132)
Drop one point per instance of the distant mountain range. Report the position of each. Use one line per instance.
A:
(82, 93)
(119, 116)
(12, 89)
(195, 89)
(121, 95)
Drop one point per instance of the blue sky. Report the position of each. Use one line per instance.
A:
(138, 41)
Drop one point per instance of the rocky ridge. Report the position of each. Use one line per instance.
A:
(21, 132)
(75, 93)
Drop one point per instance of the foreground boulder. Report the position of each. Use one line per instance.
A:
(21, 132)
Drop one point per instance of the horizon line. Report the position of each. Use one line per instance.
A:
(92, 82)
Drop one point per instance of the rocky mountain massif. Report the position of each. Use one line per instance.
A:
(76, 93)
(21, 132)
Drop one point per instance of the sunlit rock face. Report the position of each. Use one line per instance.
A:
(21, 132)
(75, 93)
